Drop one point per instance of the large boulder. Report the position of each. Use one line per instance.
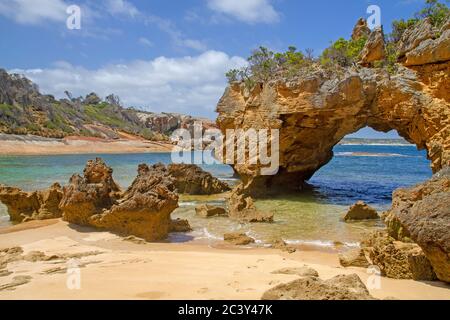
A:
(142, 211)
(342, 287)
(430, 51)
(396, 259)
(422, 214)
(375, 48)
(191, 179)
(361, 211)
(353, 258)
(38, 205)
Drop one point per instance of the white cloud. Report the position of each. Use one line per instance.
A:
(249, 11)
(145, 42)
(189, 84)
(121, 7)
(32, 12)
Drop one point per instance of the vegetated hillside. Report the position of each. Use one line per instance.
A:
(24, 110)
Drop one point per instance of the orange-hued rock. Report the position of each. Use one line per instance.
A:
(37, 205)
(361, 30)
(361, 211)
(374, 49)
(430, 51)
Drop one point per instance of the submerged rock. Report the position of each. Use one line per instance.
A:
(396, 259)
(312, 288)
(361, 211)
(238, 239)
(208, 211)
(38, 205)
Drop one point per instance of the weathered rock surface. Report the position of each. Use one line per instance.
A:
(374, 49)
(180, 225)
(242, 208)
(208, 211)
(238, 239)
(422, 213)
(301, 272)
(280, 244)
(312, 288)
(430, 51)
(353, 258)
(142, 211)
(361, 30)
(191, 179)
(38, 205)
(361, 211)
(414, 36)
(396, 259)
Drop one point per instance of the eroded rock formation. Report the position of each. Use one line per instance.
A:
(38, 205)
(361, 211)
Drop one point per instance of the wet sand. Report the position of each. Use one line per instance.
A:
(112, 268)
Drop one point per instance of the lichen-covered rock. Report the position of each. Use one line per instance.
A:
(144, 209)
(353, 258)
(361, 211)
(342, 287)
(375, 48)
(208, 211)
(89, 195)
(38, 205)
(422, 213)
(238, 239)
(396, 259)
(191, 179)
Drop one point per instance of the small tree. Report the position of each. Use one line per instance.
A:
(437, 12)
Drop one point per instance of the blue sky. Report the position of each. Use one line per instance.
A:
(166, 55)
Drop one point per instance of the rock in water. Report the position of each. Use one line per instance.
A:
(361, 211)
(422, 213)
(312, 288)
(208, 211)
(191, 179)
(354, 258)
(238, 239)
(142, 211)
(39, 205)
(396, 259)
(180, 225)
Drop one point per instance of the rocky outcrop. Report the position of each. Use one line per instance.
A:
(241, 207)
(361, 211)
(280, 244)
(354, 258)
(238, 239)
(341, 287)
(142, 211)
(414, 36)
(191, 179)
(396, 259)
(375, 48)
(208, 211)
(361, 30)
(422, 214)
(38, 205)
(430, 51)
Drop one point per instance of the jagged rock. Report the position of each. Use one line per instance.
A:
(430, 51)
(361, 211)
(280, 244)
(144, 209)
(180, 225)
(38, 205)
(191, 179)
(342, 287)
(241, 207)
(396, 259)
(353, 258)
(89, 195)
(208, 211)
(361, 30)
(301, 272)
(238, 239)
(414, 36)
(422, 213)
(374, 49)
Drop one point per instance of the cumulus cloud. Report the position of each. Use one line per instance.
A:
(191, 84)
(249, 11)
(32, 12)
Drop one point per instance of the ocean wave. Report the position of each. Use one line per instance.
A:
(369, 154)
(322, 243)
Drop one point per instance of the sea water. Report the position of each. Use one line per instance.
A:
(357, 172)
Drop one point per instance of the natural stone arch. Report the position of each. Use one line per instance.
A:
(316, 111)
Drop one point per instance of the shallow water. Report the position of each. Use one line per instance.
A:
(357, 172)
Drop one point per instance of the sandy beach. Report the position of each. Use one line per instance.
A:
(32, 145)
(112, 268)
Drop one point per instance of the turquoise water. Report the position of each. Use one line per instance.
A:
(357, 172)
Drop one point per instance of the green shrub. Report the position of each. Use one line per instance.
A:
(343, 52)
(437, 12)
